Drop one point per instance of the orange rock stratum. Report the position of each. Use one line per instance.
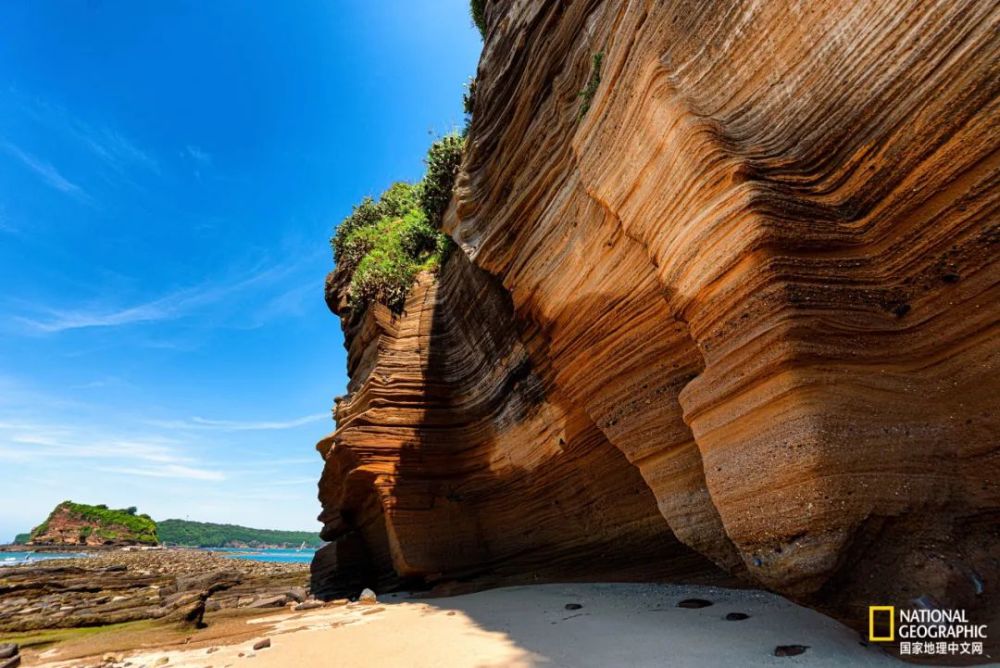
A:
(738, 320)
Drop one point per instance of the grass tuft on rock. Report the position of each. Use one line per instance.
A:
(587, 94)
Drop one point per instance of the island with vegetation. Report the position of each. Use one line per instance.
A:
(72, 523)
(81, 524)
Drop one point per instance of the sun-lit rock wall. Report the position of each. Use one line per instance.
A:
(753, 287)
(454, 457)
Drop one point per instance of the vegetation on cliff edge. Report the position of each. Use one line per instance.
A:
(383, 244)
(478, 10)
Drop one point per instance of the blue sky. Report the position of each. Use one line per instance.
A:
(170, 173)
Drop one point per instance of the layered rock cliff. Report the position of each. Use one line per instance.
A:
(736, 313)
(456, 456)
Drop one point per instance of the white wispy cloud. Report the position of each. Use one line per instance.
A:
(168, 471)
(292, 482)
(172, 306)
(290, 303)
(49, 174)
(115, 150)
(198, 423)
(6, 225)
(148, 455)
(110, 146)
(199, 154)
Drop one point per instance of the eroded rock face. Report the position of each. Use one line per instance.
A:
(455, 457)
(753, 288)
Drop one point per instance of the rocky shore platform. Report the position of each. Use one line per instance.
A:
(118, 586)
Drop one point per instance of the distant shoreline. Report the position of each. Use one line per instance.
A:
(111, 548)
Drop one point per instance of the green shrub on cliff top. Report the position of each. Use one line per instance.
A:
(398, 249)
(478, 10)
(383, 244)
(351, 243)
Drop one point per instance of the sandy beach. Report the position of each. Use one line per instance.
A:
(614, 625)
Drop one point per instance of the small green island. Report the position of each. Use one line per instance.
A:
(72, 523)
(81, 524)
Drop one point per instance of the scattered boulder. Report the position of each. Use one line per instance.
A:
(212, 581)
(262, 644)
(311, 604)
(269, 602)
(367, 597)
(297, 594)
(790, 650)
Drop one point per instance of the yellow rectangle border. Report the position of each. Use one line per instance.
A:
(891, 609)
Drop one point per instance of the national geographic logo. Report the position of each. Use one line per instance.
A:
(926, 632)
(881, 618)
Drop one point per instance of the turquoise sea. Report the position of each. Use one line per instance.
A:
(303, 556)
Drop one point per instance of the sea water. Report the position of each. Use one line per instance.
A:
(25, 558)
(287, 556)
(303, 556)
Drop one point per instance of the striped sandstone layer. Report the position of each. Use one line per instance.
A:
(455, 457)
(753, 287)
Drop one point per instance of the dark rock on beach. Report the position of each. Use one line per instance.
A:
(790, 650)
(694, 603)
